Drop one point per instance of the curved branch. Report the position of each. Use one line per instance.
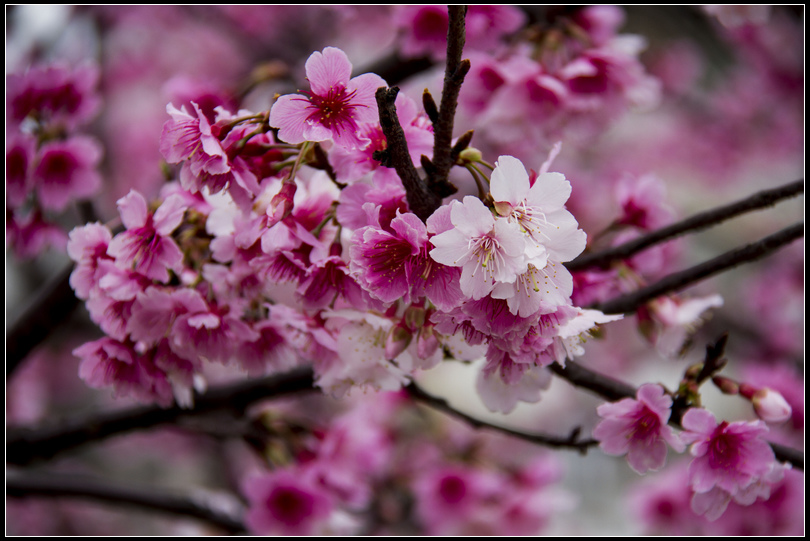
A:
(571, 441)
(24, 446)
(675, 282)
(53, 485)
(703, 220)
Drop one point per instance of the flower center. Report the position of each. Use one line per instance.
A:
(334, 110)
(724, 449)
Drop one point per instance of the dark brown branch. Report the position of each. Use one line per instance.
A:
(604, 386)
(52, 305)
(455, 71)
(675, 282)
(24, 446)
(703, 220)
(421, 200)
(52, 485)
(571, 441)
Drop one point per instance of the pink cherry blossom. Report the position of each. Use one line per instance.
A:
(284, 502)
(731, 461)
(67, 170)
(638, 428)
(146, 246)
(335, 106)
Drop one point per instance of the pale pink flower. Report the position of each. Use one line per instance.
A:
(335, 106)
(86, 247)
(638, 428)
(490, 250)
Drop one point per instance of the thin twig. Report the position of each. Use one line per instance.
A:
(629, 303)
(25, 445)
(571, 441)
(54, 485)
(703, 220)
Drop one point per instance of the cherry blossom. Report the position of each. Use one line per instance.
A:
(638, 428)
(731, 461)
(335, 106)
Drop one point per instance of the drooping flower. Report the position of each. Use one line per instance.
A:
(335, 106)
(638, 428)
(731, 461)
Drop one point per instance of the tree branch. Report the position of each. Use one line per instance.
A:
(54, 485)
(571, 441)
(25, 445)
(626, 304)
(422, 201)
(52, 305)
(455, 71)
(703, 220)
(614, 390)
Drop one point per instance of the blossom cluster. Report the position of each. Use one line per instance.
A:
(249, 257)
(262, 230)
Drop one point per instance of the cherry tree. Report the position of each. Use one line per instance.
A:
(396, 270)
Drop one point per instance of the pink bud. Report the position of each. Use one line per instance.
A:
(771, 406)
(282, 203)
(398, 340)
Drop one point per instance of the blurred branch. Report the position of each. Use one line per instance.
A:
(571, 441)
(26, 445)
(703, 220)
(626, 304)
(52, 305)
(53, 485)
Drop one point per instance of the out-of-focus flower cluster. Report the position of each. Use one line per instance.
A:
(50, 161)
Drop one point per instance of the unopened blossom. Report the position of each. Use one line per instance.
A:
(638, 428)
(335, 106)
(769, 405)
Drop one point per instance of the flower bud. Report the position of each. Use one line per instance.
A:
(282, 204)
(726, 385)
(771, 406)
(397, 341)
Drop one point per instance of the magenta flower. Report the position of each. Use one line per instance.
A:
(286, 503)
(395, 264)
(638, 428)
(335, 106)
(731, 461)
(67, 170)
